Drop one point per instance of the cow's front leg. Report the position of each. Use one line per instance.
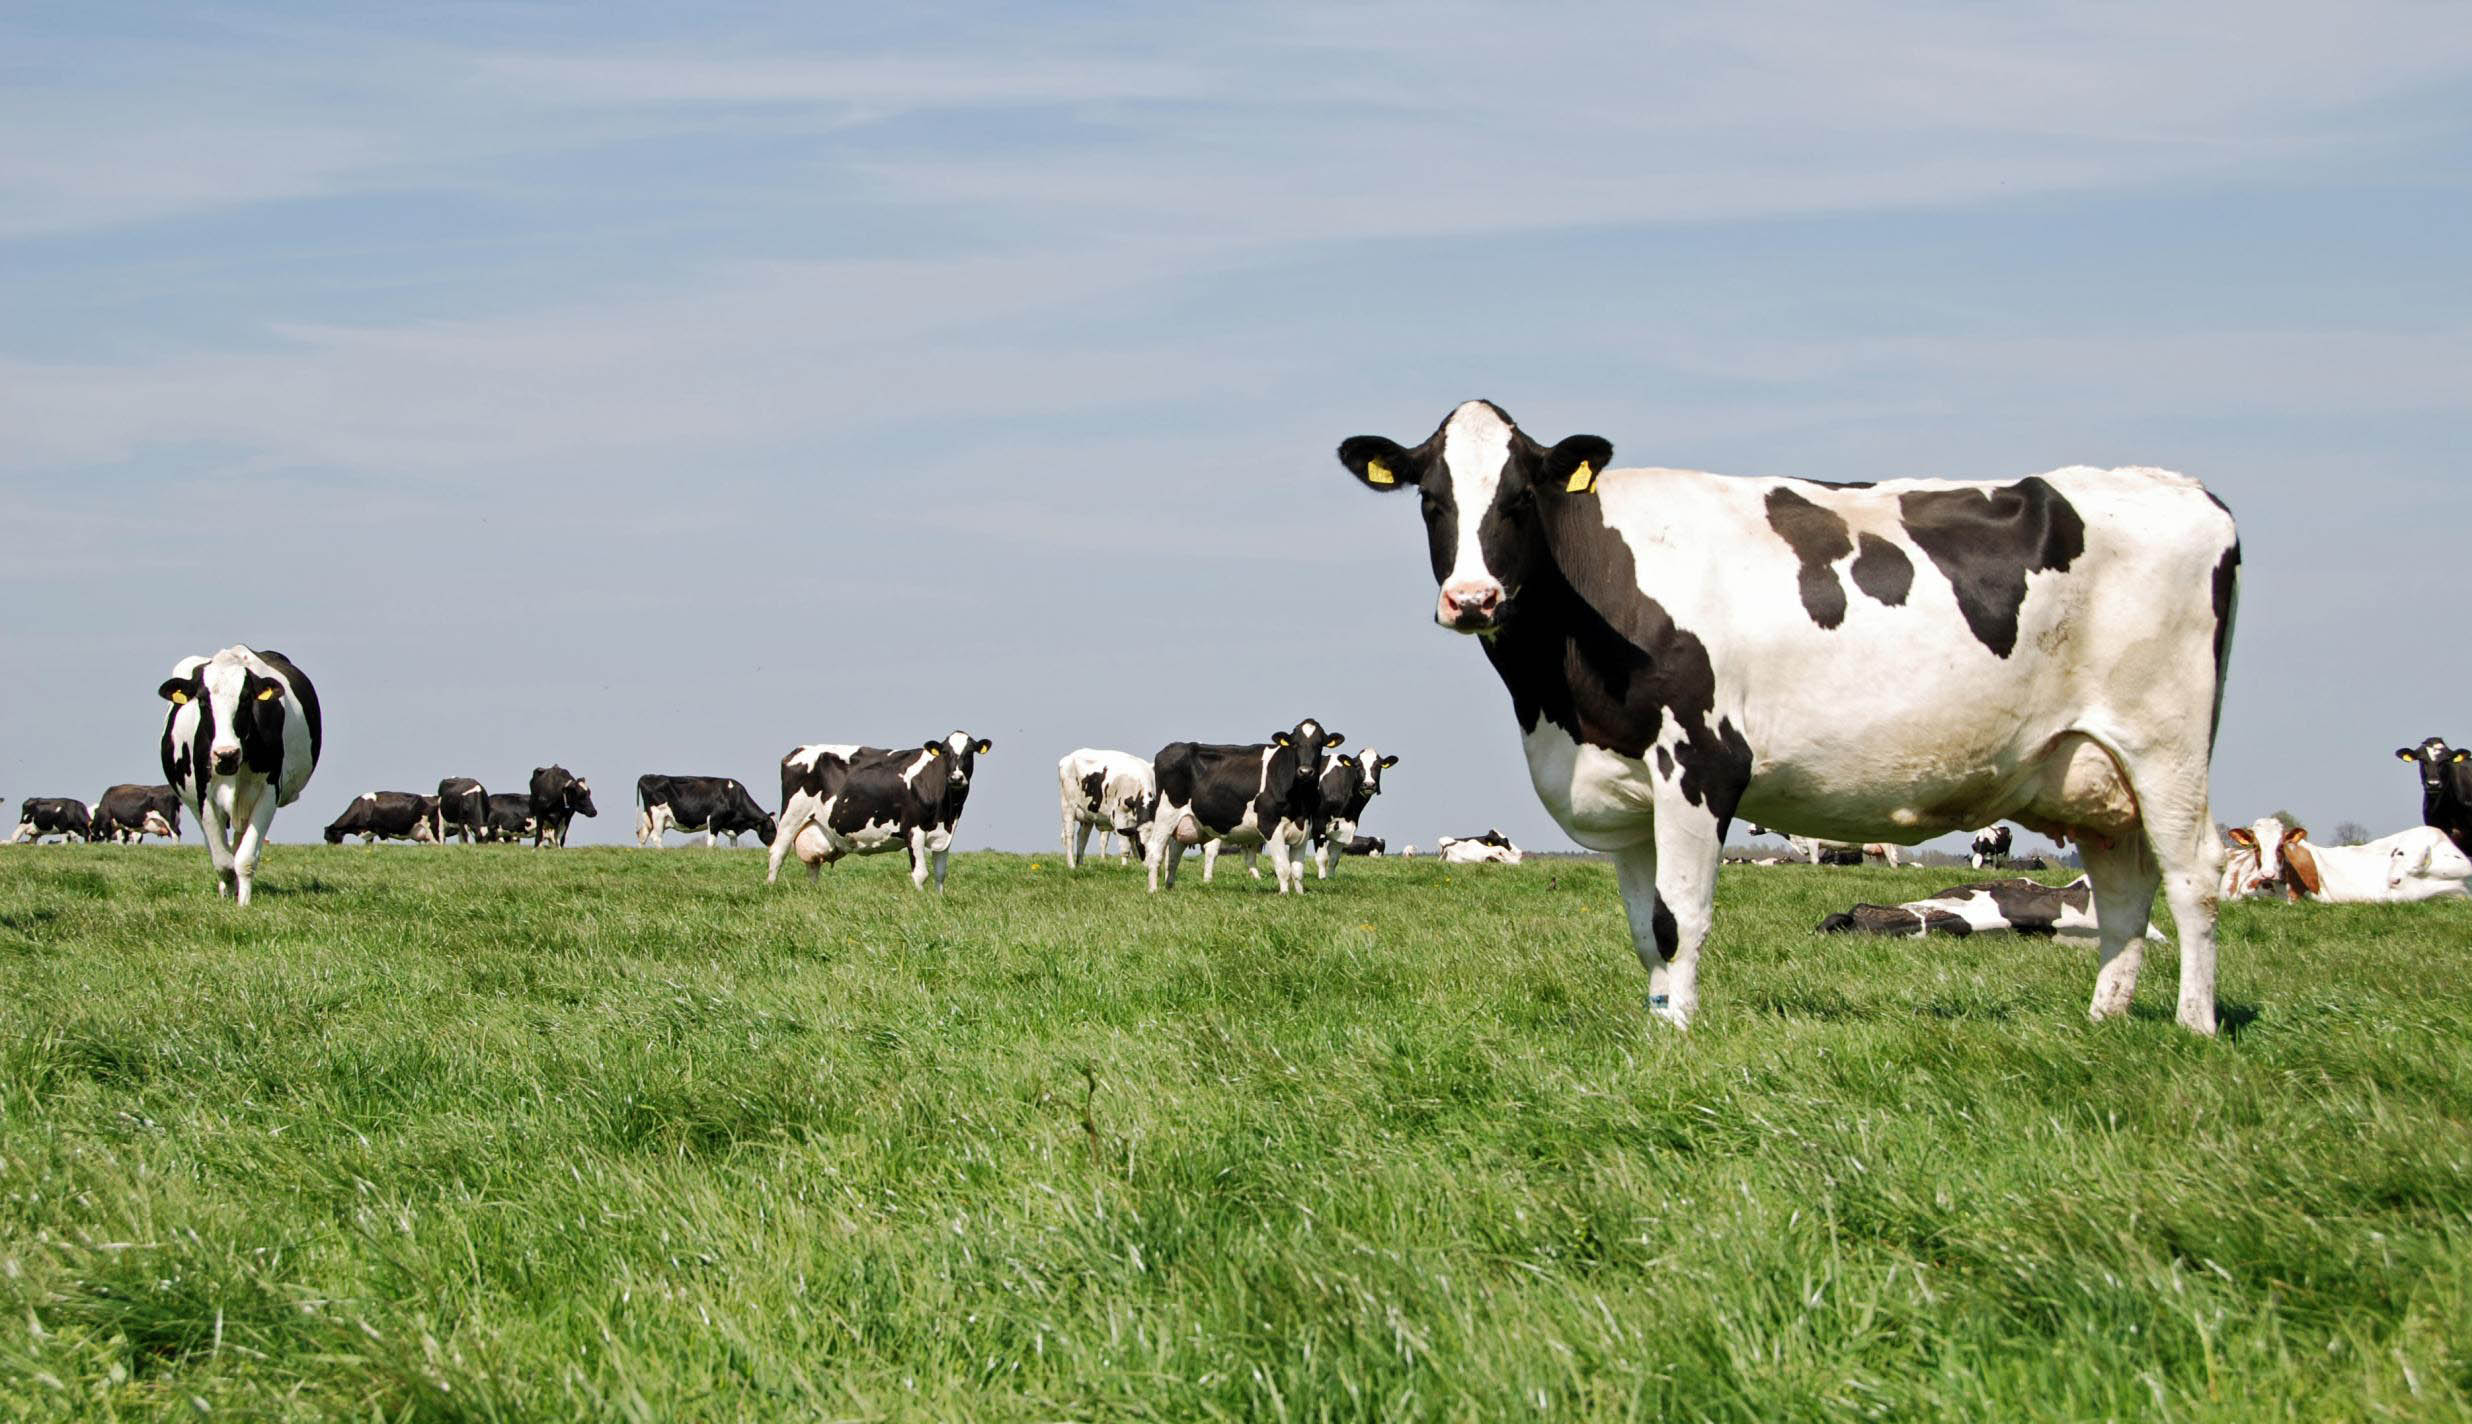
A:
(1668, 887)
(218, 843)
(1286, 866)
(261, 817)
(919, 860)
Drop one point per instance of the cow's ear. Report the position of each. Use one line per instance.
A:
(1282, 739)
(1381, 464)
(2462, 754)
(2295, 833)
(2240, 836)
(1572, 466)
(174, 690)
(1388, 762)
(936, 747)
(1332, 741)
(985, 746)
(2407, 754)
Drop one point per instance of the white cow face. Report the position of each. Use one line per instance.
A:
(1482, 480)
(2266, 863)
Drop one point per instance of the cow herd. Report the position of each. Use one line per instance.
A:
(1861, 665)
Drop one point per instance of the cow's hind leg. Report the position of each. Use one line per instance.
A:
(2185, 853)
(2124, 876)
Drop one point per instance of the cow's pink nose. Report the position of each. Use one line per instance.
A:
(1470, 600)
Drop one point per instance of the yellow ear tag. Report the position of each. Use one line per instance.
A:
(1582, 478)
(180, 699)
(1379, 473)
(268, 693)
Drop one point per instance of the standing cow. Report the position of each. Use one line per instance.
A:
(510, 817)
(463, 808)
(1990, 848)
(715, 805)
(389, 816)
(558, 797)
(129, 812)
(1858, 662)
(241, 738)
(62, 816)
(2446, 788)
(1254, 794)
(1101, 790)
(912, 800)
(1348, 783)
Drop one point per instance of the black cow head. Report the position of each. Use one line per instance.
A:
(1483, 481)
(2433, 758)
(579, 798)
(963, 751)
(1309, 739)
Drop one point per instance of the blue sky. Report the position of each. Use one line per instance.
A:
(652, 388)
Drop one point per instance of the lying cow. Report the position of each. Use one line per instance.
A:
(390, 816)
(2013, 906)
(1248, 794)
(558, 797)
(716, 806)
(2423, 863)
(129, 812)
(463, 808)
(1365, 845)
(510, 817)
(1990, 848)
(1103, 791)
(241, 737)
(909, 800)
(62, 816)
(1889, 661)
(1492, 848)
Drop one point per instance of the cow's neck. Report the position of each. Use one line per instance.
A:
(1562, 663)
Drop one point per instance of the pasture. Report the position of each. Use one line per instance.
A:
(484, 1134)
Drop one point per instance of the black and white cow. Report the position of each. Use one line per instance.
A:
(2013, 906)
(1104, 791)
(715, 805)
(908, 800)
(1348, 782)
(129, 812)
(241, 738)
(810, 775)
(1251, 794)
(390, 816)
(558, 797)
(1991, 847)
(1491, 848)
(1858, 662)
(510, 816)
(62, 816)
(463, 807)
(2446, 788)
(1365, 845)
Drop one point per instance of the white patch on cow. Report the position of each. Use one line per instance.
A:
(1476, 444)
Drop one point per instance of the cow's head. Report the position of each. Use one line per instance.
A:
(1374, 764)
(963, 751)
(2432, 758)
(2270, 854)
(240, 710)
(1308, 739)
(1482, 480)
(579, 798)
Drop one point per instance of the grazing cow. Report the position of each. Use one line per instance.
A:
(1348, 783)
(390, 816)
(2014, 906)
(463, 806)
(1825, 852)
(1104, 790)
(62, 816)
(2422, 863)
(1991, 847)
(129, 812)
(558, 797)
(510, 816)
(715, 805)
(901, 800)
(1491, 848)
(1254, 794)
(2446, 787)
(1365, 845)
(1890, 661)
(240, 740)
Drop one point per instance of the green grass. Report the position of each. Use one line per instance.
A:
(482, 1133)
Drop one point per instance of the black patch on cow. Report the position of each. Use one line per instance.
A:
(1665, 763)
(387, 815)
(123, 808)
(464, 803)
(1986, 541)
(307, 695)
(1662, 927)
(1903, 920)
(1219, 782)
(1819, 539)
(1882, 570)
(2226, 589)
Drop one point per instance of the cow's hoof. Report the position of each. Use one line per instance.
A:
(1662, 1007)
(2198, 1019)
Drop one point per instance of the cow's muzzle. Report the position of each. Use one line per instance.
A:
(227, 761)
(1469, 607)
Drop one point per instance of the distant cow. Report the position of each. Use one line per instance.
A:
(463, 807)
(715, 805)
(123, 813)
(389, 816)
(1820, 852)
(1864, 661)
(2446, 788)
(1991, 847)
(510, 816)
(2014, 906)
(558, 797)
(1365, 845)
(2422, 863)
(62, 816)
(907, 800)
(1348, 783)
(241, 738)
(1104, 791)
(1259, 793)
(1493, 848)
(810, 776)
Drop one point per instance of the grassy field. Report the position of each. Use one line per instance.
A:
(482, 1133)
